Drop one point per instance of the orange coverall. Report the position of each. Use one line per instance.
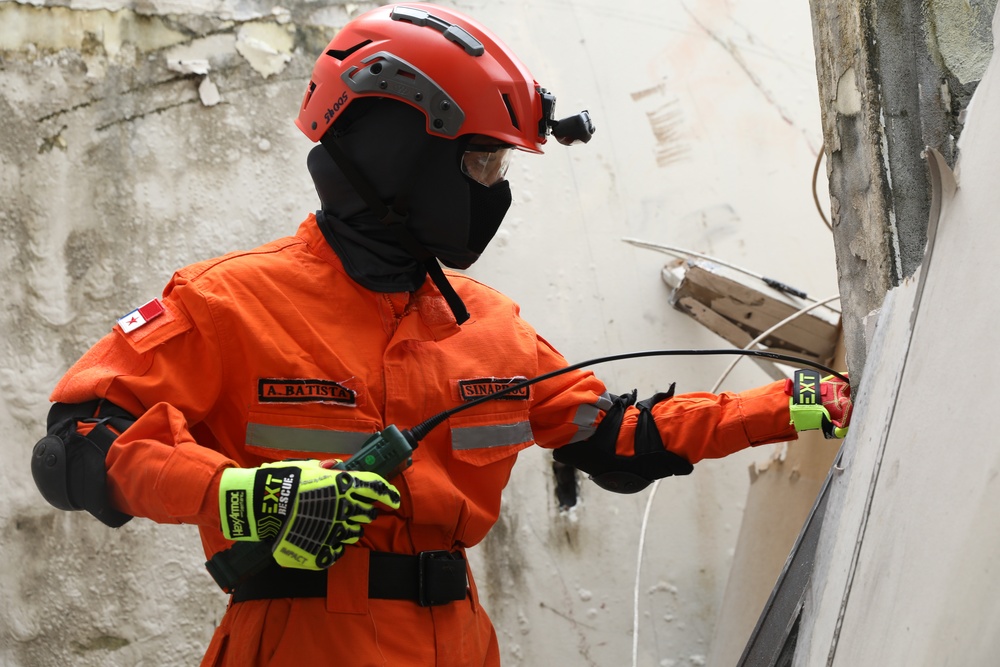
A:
(276, 353)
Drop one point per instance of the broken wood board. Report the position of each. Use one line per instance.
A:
(740, 312)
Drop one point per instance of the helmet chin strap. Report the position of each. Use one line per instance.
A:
(396, 221)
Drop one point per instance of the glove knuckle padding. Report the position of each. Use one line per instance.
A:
(345, 481)
(597, 457)
(372, 487)
(328, 512)
(345, 533)
(69, 468)
(359, 513)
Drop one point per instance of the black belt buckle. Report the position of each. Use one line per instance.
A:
(441, 578)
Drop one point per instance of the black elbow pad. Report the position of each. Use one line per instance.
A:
(69, 469)
(596, 456)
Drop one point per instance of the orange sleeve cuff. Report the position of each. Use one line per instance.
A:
(763, 415)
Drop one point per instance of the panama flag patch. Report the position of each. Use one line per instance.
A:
(141, 315)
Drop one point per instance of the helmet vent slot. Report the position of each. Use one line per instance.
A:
(309, 93)
(341, 55)
(510, 111)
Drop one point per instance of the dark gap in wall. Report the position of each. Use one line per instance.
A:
(567, 484)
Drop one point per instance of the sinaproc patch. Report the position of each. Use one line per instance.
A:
(270, 390)
(470, 390)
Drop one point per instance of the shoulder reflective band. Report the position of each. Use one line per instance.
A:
(305, 439)
(493, 435)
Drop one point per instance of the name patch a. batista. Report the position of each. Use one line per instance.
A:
(271, 390)
(470, 390)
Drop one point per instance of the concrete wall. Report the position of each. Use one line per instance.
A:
(906, 567)
(123, 158)
(894, 77)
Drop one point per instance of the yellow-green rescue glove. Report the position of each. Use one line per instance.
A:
(305, 511)
(819, 403)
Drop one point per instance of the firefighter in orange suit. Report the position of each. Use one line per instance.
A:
(225, 403)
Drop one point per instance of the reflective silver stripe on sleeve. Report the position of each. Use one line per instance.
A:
(498, 435)
(305, 439)
(586, 415)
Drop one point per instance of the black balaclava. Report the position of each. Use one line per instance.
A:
(419, 175)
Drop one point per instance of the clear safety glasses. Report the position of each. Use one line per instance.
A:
(487, 165)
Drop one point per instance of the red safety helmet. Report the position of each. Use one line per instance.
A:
(458, 73)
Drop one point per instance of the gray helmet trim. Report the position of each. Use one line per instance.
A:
(390, 76)
(453, 33)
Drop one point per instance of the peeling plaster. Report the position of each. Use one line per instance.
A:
(198, 56)
(188, 66)
(848, 102)
(56, 28)
(266, 46)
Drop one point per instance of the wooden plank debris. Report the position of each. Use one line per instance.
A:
(731, 307)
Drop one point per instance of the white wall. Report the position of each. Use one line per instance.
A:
(115, 172)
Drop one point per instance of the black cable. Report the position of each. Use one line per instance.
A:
(232, 566)
(419, 431)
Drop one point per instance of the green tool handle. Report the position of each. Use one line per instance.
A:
(387, 453)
